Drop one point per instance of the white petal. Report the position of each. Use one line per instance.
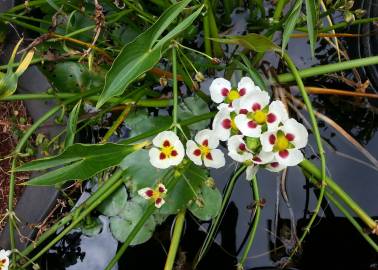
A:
(226, 106)
(217, 160)
(298, 130)
(263, 157)
(243, 124)
(191, 146)
(142, 193)
(216, 88)
(155, 160)
(165, 136)
(275, 166)
(293, 158)
(247, 84)
(233, 145)
(278, 113)
(162, 187)
(257, 97)
(251, 171)
(266, 141)
(209, 135)
(176, 160)
(222, 133)
(160, 203)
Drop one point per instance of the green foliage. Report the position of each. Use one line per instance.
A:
(312, 18)
(77, 162)
(192, 106)
(113, 205)
(72, 124)
(208, 205)
(91, 226)
(144, 52)
(291, 22)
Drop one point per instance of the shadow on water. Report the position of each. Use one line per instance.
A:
(332, 244)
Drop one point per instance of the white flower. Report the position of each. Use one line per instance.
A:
(157, 194)
(221, 90)
(4, 259)
(251, 171)
(255, 115)
(237, 149)
(223, 124)
(286, 142)
(202, 150)
(168, 150)
(274, 166)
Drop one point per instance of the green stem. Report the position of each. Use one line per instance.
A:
(116, 123)
(345, 212)
(206, 33)
(175, 87)
(341, 25)
(217, 220)
(218, 52)
(180, 220)
(278, 10)
(256, 197)
(143, 14)
(314, 171)
(321, 70)
(85, 211)
(319, 143)
(29, 4)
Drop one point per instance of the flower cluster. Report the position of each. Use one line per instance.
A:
(4, 259)
(258, 132)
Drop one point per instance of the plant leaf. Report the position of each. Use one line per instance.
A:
(142, 54)
(79, 161)
(211, 199)
(312, 16)
(71, 125)
(290, 23)
(114, 204)
(193, 106)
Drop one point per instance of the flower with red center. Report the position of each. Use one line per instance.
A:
(221, 90)
(167, 151)
(157, 195)
(285, 142)
(255, 115)
(237, 149)
(4, 259)
(274, 166)
(202, 150)
(224, 124)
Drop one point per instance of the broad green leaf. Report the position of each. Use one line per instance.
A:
(251, 41)
(91, 226)
(193, 106)
(140, 122)
(208, 204)
(78, 162)
(140, 171)
(143, 53)
(290, 23)
(312, 17)
(122, 225)
(113, 205)
(71, 125)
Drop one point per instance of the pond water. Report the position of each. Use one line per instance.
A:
(332, 244)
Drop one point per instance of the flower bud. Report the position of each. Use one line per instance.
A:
(199, 77)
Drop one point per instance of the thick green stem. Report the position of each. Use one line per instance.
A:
(319, 143)
(321, 70)
(180, 221)
(341, 25)
(217, 220)
(256, 197)
(116, 123)
(345, 212)
(81, 215)
(175, 86)
(314, 171)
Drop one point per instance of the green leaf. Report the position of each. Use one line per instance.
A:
(71, 125)
(312, 17)
(113, 205)
(290, 23)
(193, 106)
(79, 161)
(91, 226)
(122, 225)
(143, 53)
(251, 41)
(208, 205)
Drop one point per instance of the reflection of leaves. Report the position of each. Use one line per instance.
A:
(210, 203)
(193, 106)
(114, 204)
(122, 225)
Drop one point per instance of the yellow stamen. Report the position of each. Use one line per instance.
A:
(204, 150)
(282, 143)
(232, 95)
(233, 125)
(260, 117)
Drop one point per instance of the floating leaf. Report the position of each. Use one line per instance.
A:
(291, 22)
(79, 161)
(122, 225)
(114, 204)
(193, 106)
(208, 204)
(91, 226)
(144, 52)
